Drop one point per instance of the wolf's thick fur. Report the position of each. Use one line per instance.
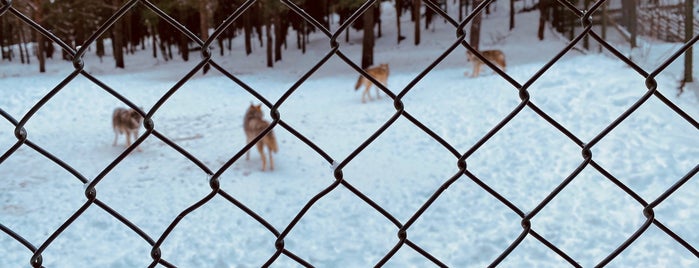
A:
(126, 121)
(497, 57)
(253, 125)
(380, 73)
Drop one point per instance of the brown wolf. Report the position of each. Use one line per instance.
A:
(494, 56)
(379, 73)
(253, 125)
(126, 121)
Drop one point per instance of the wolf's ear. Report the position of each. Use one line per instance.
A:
(259, 106)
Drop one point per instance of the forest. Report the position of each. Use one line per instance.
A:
(267, 23)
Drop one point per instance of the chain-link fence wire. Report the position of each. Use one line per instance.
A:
(7, 9)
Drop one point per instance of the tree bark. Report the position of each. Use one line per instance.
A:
(630, 18)
(268, 33)
(279, 37)
(368, 40)
(416, 17)
(688, 35)
(512, 14)
(475, 36)
(247, 27)
(118, 38)
(399, 9)
(543, 13)
(39, 38)
(204, 17)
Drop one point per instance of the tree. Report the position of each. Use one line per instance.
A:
(368, 40)
(688, 35)
(204, 18)
(629, 15)
(475, 36)
(399, 11)
(512, 14)
(118, 38)
(38, 16)
(416, 19)
(543, 14)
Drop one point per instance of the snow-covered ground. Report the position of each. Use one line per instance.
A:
(400, 170)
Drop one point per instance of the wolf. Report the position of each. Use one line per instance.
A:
(126, 121)
(253, 125)
(380, 73)
(497, 57)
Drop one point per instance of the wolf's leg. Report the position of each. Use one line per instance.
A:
(271, 161)
(116, 135)
(367, 92)
(261, 149)
(247, 153)
(135, 137)
(128, 138)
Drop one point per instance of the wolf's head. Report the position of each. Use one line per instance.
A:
(254, 111)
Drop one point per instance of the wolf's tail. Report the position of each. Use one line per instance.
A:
(359, 82)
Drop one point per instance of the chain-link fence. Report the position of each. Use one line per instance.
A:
(403, 227)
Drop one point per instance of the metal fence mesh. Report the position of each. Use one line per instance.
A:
(403, 227)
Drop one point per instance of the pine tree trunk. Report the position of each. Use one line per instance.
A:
(39, 38)
(279, 37)
(118, 38)
(630, 18)
(247, 26)
(512, 14)
(368, 41)
(268, 33)
(475, 36)
(399, 4)
(688, 35)
(416, 17)
(204, 27)
(543, 10)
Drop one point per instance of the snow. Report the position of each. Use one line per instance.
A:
(400, 170)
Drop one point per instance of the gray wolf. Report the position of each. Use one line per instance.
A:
(497, 57)
(126, 121)
(380, 73)
(253, 125)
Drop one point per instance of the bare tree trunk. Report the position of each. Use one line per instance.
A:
(247, 26)
(278, 39)
(543, 13)
(99, 44)
(416, 17)
(512, 14)
(204, 17)
(399, 4)
(368, 41)
(605, 22)
(22, 55)
(630, 18)
(688, 35)
(475, 37)
(39, 38)
(118, 38)
(268, 33)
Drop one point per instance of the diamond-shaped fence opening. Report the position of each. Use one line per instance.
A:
(210, 188)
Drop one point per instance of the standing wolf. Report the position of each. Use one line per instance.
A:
(253, 125)
(379, 73)
(126, 121)
(494, 56)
